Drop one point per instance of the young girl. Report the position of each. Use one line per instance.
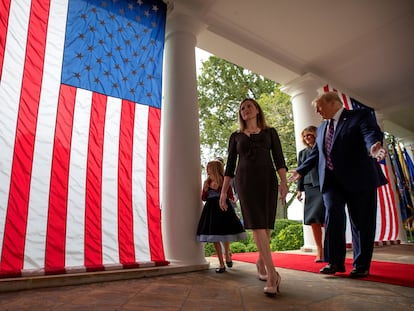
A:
(218, 224)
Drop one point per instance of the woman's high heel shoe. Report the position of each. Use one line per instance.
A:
(273, 290)
(262, 277)
(319, 257)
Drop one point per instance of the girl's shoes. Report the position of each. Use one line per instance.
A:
(262, 277)
(229, 262)
(220, 270)
(273, 290)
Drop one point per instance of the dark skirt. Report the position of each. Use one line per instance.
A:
(216, 225)
(314, 209)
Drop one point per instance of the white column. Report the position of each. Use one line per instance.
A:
(180, 145)
(302, 91)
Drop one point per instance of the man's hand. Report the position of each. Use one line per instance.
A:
(295, 176)
(378, 152)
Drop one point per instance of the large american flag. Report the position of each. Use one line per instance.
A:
(80, 92)
(387, 216)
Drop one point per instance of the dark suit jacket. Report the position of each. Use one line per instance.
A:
(356, 170)
(311, 178)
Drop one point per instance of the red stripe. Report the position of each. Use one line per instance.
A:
(345, 100)
(57, 214)
(153, 208)
(93, 204)
(125, 217)
(4, 21)
(16, 219)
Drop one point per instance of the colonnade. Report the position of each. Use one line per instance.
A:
(180, 160)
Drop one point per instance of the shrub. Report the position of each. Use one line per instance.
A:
(287, 235)
(281, 224)
(289, 238)
(237, 247)
(251, 248)
(409, 233)
(209, 249)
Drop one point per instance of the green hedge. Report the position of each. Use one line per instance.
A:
(410, 234)
(287, 235)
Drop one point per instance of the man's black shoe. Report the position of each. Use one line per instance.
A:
(358, 273)
(332, 269)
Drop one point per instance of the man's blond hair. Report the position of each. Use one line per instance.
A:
(328, 97)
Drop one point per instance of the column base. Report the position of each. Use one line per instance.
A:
(308, 249)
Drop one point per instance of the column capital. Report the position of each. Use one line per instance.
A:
(308, 82)
(178, 22)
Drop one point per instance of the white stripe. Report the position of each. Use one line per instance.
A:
(10, 88)
(348, 231)
(110, 249)
(75, 232)
(394, 218)
(379, 221)
(34, 254)
(139, 177)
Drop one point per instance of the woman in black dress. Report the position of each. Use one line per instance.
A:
(254, 156)
(218, 224)
(314, 210)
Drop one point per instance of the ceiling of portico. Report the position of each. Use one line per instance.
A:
(364, 48)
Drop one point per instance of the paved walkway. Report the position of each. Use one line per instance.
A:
(237, 289)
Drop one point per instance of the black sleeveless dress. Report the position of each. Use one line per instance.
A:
(216, 225)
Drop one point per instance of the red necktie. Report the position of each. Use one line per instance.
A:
(328, 143)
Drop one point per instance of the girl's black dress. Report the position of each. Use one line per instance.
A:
(216, 225)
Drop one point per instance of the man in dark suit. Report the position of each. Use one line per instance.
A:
(347, 153)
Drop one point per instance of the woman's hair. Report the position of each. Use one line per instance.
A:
(216, 171)
(308, 130)
(261, 121)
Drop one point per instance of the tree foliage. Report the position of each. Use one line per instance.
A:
(221, 88)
